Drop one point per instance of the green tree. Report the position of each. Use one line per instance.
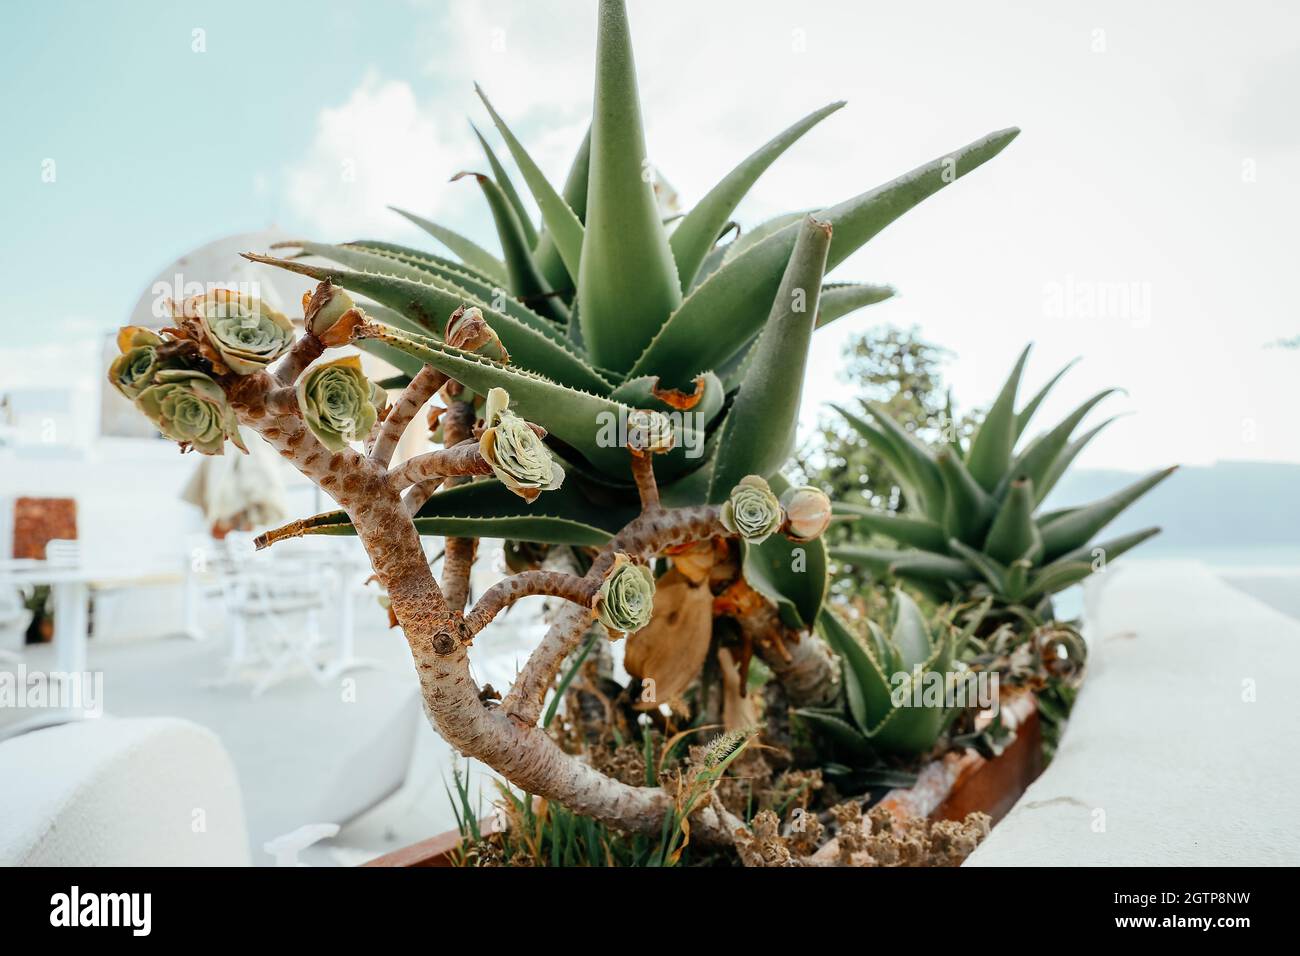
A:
(903, 371)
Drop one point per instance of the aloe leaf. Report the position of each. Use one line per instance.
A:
(759, 432)
(502, 179)
(870, 683)
(485, 509)
(931, 568)
(994, 572)
(561, 222)
(1056, 577)
(840, 732)
(1037, 461)
(1014, 534)
(713, 259)
(968, 508)
(452, 269)
(1075, 529)
(749, 238)
(703, 402)
(1025, 414)
(575, 417)
(1110, 549)
(525, 281)
(927, 477)
(995, 439)
(488, 509)
(882, 652)
(627, 284)
(574, 195)
(473, 290)
(910, 633)
(886, 447)
(1046, 517)
(431, 305)
(698, 231)
(467, 286)
(876, 560)
(838, 299)
(913, 729)
(720, 314)
(408, 365)
(912, 532)
(790, 574)
(955, 441)
(469, 251)
(1066, 457)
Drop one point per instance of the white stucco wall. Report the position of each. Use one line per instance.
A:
(1182, 747)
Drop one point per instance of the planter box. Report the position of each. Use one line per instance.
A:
(947, 789)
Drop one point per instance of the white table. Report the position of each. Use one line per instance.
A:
(70, 588)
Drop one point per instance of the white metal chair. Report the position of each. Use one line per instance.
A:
(282, 592)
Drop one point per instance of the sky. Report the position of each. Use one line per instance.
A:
(1144, 220)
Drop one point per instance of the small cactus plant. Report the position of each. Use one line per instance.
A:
(971, 526)
(888, 709)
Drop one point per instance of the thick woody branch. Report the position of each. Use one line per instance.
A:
(645, 537)
(302, 353)
(463, 460)
(570, 587)
(420, 389)
(419, 493)
(527, 694)
(643, 473)
(458, 556)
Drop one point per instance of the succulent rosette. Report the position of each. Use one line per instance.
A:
(626, 598)
(807, 512)
(246, 333)
(751, 510)
(190, 408)
(338, 402)
(133, 371)
(650, 432)
(515, 452)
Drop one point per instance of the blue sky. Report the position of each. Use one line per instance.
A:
(1159, 161)
(159, 148)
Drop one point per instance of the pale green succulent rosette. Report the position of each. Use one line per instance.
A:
(626, 599)
(246, 332)
(752, 511)
(338, 402)
(189, 407)
(650, 431)
(133, 371)
(515, 452)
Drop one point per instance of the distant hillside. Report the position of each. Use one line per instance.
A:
(1231, 504)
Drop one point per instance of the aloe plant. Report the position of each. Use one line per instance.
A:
(603, 308)
(639, 388)
(888, 707)
(971, 526)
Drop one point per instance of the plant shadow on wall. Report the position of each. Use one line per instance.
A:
(615, 393)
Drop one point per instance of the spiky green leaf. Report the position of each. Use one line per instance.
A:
(627, 282)
(759, 431)
(698, 231)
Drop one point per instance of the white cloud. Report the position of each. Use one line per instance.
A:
(380, 147)
(1110, 183)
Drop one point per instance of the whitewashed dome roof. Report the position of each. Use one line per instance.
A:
(219, 264)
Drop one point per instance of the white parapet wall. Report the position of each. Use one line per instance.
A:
(1182, 748)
